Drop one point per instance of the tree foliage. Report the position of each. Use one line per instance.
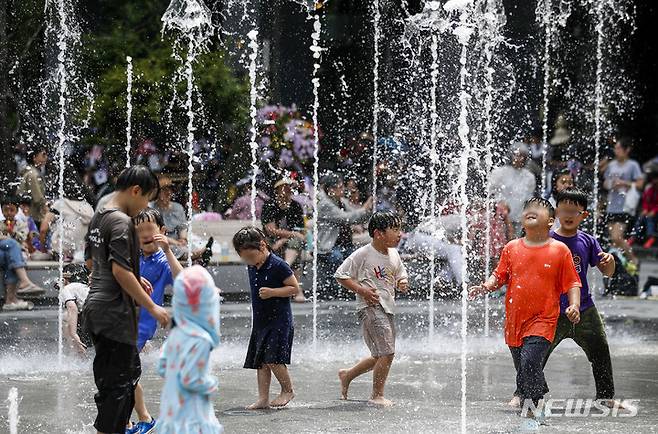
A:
(128, 28)
(112, 30)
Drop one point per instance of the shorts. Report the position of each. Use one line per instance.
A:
(291, 244)
(378, 330)
(624, 218)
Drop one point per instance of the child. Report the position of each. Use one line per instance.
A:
(13, 233)
(185, 406)
(32, 241)
(537, 271)
(72, 297)
(160, 267)
(13, 226)
(560, 180)
(272, 284)
(647, 218)
(110, 312)
(374, 272)
(589, 333)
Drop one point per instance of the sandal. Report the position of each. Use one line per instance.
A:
(18, 305)
(30, 289)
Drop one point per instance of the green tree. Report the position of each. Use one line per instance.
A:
(128, 28)
(21, 59)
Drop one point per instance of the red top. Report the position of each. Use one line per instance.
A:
(536, 276)
(650, 199)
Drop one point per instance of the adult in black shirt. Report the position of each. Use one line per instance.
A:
(283, 223)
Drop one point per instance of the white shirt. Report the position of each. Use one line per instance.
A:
(76, 292)
(512, 186)
(373, 269)
(72, 223)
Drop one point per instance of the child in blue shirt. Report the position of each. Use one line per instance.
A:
(160, 267)
(272, 284)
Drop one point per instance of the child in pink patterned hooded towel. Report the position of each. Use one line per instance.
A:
(186, 406)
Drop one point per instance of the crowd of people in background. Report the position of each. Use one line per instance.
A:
(34, 209)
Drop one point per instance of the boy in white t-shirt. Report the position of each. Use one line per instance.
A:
(374, 272)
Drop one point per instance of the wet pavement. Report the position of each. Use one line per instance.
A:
(425, 381)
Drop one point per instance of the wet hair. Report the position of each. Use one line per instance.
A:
(151, 215)
(382, 220)
(625, 142)
(249, 237)
(572, 195)
(140, 176)
(541, 202)
(557, 175)
(76, 273)
(9, 199)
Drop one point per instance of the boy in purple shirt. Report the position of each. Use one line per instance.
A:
(589, 333)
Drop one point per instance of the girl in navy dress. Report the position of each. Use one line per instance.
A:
(272, 284)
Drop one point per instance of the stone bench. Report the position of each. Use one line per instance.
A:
(222, 231)
(225, 266)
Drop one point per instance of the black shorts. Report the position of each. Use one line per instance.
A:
(116, 372)
(619, 218)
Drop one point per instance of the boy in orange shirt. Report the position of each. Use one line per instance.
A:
(537, 270)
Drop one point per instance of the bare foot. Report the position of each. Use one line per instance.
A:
(344, 383)
(258, 405)
(283, 399)
(380, 400)
(615, 403)
(515, 402)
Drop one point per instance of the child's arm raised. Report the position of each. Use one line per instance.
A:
(573, 311)
(369, 294)
(133, 287)
(163, 242)
(291, 288)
